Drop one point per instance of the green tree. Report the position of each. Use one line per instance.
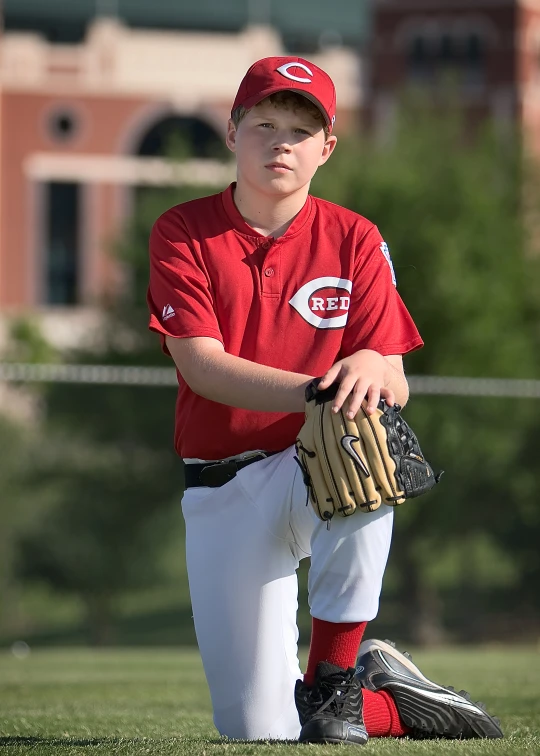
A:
(24, 497)
(451, 211)
(109, 454)
(111, 517)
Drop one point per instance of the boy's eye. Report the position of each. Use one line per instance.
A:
(303, 131)
(268, 125)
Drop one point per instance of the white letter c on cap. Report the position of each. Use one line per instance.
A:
(284, 71)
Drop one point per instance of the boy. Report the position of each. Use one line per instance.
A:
(255, 291)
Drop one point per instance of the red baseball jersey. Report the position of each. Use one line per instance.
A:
(320, 292)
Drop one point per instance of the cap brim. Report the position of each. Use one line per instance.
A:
(255, 99)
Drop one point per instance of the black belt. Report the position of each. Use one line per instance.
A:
(215, 474)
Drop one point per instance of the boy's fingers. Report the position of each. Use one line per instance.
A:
(329, 377)
(356, 391)
(389, 396)
(373, 397)
(373, 394)
(345, 388)
(356, 399)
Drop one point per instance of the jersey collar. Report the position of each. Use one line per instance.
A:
(241, 227)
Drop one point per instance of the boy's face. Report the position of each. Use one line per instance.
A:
(278, 149)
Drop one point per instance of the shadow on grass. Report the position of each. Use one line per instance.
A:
(18, 740)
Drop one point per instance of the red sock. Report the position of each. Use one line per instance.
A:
(381, 715)
(334, 642)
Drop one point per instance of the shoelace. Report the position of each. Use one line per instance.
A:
(332, 693)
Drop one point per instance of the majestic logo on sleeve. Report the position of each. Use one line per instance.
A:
(386, 252)
(324, 302)
(168, 312)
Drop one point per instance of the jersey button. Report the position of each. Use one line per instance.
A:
(265, 245)
(269, 272)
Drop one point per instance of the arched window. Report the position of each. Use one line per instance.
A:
(183, 137)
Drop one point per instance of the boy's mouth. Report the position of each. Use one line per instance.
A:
(280, 167)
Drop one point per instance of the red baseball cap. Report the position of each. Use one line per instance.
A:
(271, 75)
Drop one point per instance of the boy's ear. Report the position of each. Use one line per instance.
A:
(329, 147)
(230, 139)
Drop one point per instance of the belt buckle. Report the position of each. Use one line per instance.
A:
(253, 457)
(217, 475)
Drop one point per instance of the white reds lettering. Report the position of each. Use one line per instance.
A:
(284, 71)
(318, 303)
(323, 302)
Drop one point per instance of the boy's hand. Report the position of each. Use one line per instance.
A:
(363, 375)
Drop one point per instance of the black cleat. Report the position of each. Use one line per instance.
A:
(430, 710)
(331, 711)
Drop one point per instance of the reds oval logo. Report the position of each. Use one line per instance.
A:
(324, 302)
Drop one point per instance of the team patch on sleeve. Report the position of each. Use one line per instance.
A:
(386, 252)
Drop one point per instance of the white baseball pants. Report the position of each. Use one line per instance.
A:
(244, 543)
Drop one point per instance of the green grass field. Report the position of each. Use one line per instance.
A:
(155, 702)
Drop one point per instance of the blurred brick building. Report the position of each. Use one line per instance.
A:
(485, 52)
(83, 123)
(86, 107)
(88, 94)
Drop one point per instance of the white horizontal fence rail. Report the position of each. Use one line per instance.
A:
(117, 375)
(113, 375)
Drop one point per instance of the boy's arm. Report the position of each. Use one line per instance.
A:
(221, 377)
(213, 373)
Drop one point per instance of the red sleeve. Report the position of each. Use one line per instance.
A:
(179, 294)
(378, 318)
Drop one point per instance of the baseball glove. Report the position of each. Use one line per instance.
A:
(364, 462)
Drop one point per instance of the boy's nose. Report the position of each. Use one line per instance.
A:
(282, 147)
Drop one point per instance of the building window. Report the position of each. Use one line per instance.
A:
(475, 62)
(475, 50)
(449, 54)
(62, 254)
(419, 60)
(457, 58)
